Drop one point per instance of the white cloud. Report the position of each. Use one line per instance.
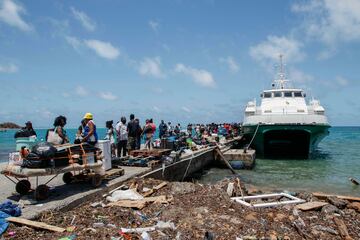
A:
(199, 76)
(11, 68)
(10, 13)
(343, 82)
(232, 64)
(151, 67)
(84, 19)
(331, 21)
(298, 76)
(65, 95)
(154, 25)
(103, 49)
(269, 50)
(73, 41)
(107, 96)
(185, 109)
(81, 91)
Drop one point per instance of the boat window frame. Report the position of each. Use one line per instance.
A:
(267, 95)
(275, 93)
(291, 93)
(298, 92)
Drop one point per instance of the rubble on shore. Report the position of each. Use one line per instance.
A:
(195, 211)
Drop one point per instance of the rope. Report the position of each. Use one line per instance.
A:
(192, 157)
(257, 128)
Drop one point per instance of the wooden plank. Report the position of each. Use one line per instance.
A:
(154, 189)
(161, 185)
(148, 193)
(128, 204)
(324, 195)
(34, 224)
(140, 204)
(344, 233)
(310, 205)
(224, 160)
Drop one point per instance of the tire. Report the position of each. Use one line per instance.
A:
(68, 178)
(23, 187)
(41, 192)
(96, 180)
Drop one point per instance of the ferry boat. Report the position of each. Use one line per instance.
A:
(285, 124)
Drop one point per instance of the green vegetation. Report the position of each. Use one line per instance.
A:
(9, 125)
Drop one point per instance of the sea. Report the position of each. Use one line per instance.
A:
(328, 170)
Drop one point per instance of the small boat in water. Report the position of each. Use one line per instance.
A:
(284, 125)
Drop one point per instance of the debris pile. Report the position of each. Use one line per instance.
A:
(152, 209)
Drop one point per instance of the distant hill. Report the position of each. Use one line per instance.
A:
(9, 125)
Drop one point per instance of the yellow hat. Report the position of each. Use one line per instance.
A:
(88, 116)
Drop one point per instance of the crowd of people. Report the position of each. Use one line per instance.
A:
(126, 135)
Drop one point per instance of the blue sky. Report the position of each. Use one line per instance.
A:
(183, 61)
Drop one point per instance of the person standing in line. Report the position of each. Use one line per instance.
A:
(138, 135)
(90, 134)
(30, 129)
(132, 129)
(148, 132)
(110, 135)
(122, 137)
(162, 129)
(59, 125)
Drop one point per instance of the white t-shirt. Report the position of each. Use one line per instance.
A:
(121, 131)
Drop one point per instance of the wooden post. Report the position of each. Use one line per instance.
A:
(224, 160)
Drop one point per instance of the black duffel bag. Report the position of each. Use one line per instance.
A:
(34, 161)
(44, 150)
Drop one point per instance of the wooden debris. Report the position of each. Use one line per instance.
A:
(302, 233)
(218, 151)
(354, 205)
(311, 205)
(148, 193)
(239, 186)
(140, 204)
(154, 189)
(324, 195)
(34, 224)
(230, 189)
(133, 185)
(342, 229)
(161, 185)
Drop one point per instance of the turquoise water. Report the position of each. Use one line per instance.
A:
(7, 141)
(328, 170)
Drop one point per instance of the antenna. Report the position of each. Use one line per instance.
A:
(280, 82)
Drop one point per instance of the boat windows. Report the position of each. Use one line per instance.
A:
(287, 94)
(297, 94)
(267, 95)
(277, 94)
